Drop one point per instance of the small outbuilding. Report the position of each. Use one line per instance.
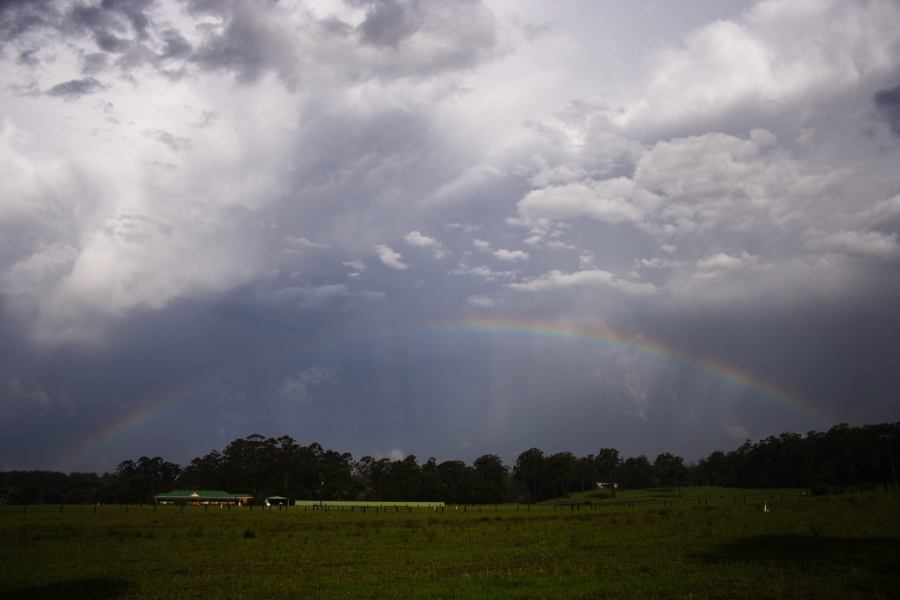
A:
(277, 501)
(203, 497)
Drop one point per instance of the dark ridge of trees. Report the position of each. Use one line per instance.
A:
(843, 456)
(133, 481)
(50, 487)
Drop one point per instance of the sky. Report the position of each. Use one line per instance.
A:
(444, 229)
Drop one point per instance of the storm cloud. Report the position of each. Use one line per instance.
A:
(444, 228)
(888, 103)
(75, 88)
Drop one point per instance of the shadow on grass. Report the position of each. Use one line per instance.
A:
(864, 563)
(98, 588)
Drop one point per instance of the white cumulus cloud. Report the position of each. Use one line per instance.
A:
(420, 240)
(595, 278)
(511, 255)
(390, 257)
(618, 200)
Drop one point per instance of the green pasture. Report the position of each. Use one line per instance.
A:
(368, 504)
(666, 543)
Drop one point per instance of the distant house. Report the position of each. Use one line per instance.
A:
(201, 497)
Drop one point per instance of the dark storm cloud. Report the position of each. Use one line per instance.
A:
(468, 29)
(252, 43)
(75, 88)
(93, 63)
(260, 37)
(18, 17)
(107, 27)
(134, 10)
(888, 104)
(117, 27)
(391, 133)
(218, 8)
(122, 31)
(176, 46)
(435, 37)
(388, 23)
(28, 57)
(112, 18)
(110, 43)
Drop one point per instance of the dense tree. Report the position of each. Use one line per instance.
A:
(842, 456)
(204, 472)
(453, 475)
(670, 469)
(403, 479)
(559, 473)
(38, 487)
(636, 472)
(430, 481)
(529, 473)
(138, 481)
(490, 479)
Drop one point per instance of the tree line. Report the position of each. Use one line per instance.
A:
(261, 466)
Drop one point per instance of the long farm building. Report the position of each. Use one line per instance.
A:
(201, 497)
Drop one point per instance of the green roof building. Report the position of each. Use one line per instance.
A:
(202, 497)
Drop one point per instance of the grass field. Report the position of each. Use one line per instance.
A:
(367, 504)
(696, 543)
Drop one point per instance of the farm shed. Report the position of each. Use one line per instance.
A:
(200, 497)
(277, 501)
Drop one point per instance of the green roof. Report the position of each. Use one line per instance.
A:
(200, 495)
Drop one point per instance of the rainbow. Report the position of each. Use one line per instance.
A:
(143, 413)
(592, 335)
(572, 333)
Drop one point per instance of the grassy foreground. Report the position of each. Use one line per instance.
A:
(701, 543)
